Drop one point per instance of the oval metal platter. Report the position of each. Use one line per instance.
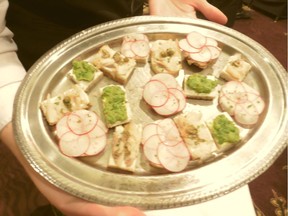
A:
(148, 188)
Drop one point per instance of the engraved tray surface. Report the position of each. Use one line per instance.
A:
(150, 188)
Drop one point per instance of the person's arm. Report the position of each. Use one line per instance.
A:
(186, 8)
(11, 73)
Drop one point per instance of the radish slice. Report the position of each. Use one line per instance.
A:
(179, 94)
(241, 101)
(82, 121)
(170, 161)
(196, 40)
(155, 93)
(150, 149)
(179, 150)
(62, 127)
(204, 55)
(257, 102)
(97, 144)
(214, 51)
(97, 132)
(226, 104)
(245, 116)
(126, 49)
(148, 131)
(167, 79)
(185, 46)
(211, 42)
(169, 108)
(140, 48)
(74, 145)
(168, 130)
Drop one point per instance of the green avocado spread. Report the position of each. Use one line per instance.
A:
(224, 130)
(83, 70)
(201, 83)
(114, 104)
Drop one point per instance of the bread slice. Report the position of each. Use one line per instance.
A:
(225, 140)
(166, 57)
(116, 108)
(191, 93)
(236, 68)
(195, 134)
(85, 84)
(114, 65)
(125, 147)
(54, 108)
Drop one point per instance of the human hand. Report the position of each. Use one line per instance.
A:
(186, 8)
(64, 202)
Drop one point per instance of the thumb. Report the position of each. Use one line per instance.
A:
(211, 12)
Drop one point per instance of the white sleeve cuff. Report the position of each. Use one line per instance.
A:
(11, 75)
(7, 95)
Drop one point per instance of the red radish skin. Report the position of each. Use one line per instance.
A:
(196, 40)
(97, 145)
(179, 94)
(185, 46)
(168, 79)
(155, 93)
(62, 127)
(199, 48)
(163, 93)
(140, 48)
(169, 108)
(171, 162)
(82, 121)
(164, 147)
(73, 145)
(148, 131)
(150, 149)
(242, 102)
(204, 55)
(81, 133)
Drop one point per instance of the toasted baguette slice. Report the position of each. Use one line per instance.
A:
(54, 108)
(236, 68)
(195, 134)
(125, 147)
(114, 65)
(166, 57)
(85, 84)
(190, 93)
(221, 143)
(114, 99)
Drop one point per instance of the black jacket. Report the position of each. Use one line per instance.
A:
(39, 25)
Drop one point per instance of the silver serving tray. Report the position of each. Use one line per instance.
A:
(150, 188)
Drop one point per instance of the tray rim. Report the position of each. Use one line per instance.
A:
(186, 199)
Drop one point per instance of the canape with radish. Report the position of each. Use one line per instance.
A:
(199, 49)
(165, 96)
(136, 46)
(242, 102)
(81, 133)
(163, 146)
(195, 134)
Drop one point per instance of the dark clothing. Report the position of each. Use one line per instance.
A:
(39, 25)
(229, 8)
